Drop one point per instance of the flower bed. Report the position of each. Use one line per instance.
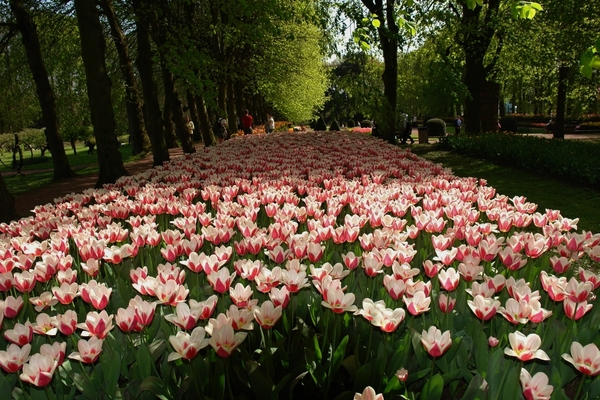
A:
(297, 265)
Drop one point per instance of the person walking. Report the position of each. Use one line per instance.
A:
(270, 125)
(406, 129)
(457, 125)
(190, 125)
(247, 122)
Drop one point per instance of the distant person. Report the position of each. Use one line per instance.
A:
(90, 144)
(415, 122)
(247, 122)
(190, 125)
(374, 129)
(270, 125)
(457, 125)
(406, 129)
(220, 129)
(549, 126)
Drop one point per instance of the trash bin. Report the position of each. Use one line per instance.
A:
(423, 135)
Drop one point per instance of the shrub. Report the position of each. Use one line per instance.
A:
(366, 123)
(313, 123)
(335, 126)
(508, 124)
(578, 162)
(320, 125)
(436, 127)
(350, 123)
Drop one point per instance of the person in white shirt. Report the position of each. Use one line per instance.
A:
(190, 125)
(270, 125)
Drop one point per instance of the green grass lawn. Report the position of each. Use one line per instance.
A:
(572, 200)
(82, 163)
(82, 158)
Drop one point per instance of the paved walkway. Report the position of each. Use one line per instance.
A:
(25, 202)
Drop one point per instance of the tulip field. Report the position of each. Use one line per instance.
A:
(319, 265)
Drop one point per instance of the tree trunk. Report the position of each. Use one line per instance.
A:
(208, 136)
(135, 116)
(478, 28)
(193, 115)
(7, 204)
(176, 112)
(168, 121)
(388, 34)
(152, 112)
(232, 115)
(387, 124)
(30, 40)
(490, 93)
(99, 92)
(559, 124)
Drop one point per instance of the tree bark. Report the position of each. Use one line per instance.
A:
(478, 30)
(561, 99)
(172, 96)
(388, 40)
(144, 63)
(135, 116)
(232, 115)
(208, 136)
(170, 137)
(191, 101)
(7, 204)
(45, 94)
(99, 92)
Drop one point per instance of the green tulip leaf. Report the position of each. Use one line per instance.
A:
(155, 386)
(476, 389)
(433, 388)
(338, 355)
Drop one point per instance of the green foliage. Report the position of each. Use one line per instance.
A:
(590, 60)
(350, 123)
(320, 125)
(295, 83)
(366, 123)
(525, 9)
(436, 127)
(579, 161)
(508, 124)
(35, 138)
(335, 126)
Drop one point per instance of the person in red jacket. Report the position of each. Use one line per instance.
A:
(247, 122)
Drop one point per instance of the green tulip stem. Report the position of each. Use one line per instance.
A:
(228, 379)
(23, 389)
(268, 346)
(583, 377)
(499, 389)
(432, 367)
(370, 341)
(49, 393)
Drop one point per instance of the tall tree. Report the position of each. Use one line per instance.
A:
(99, 92)
(388, 42)
(144, 63)
(478, 27)
(135, 116)
(46, 97)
